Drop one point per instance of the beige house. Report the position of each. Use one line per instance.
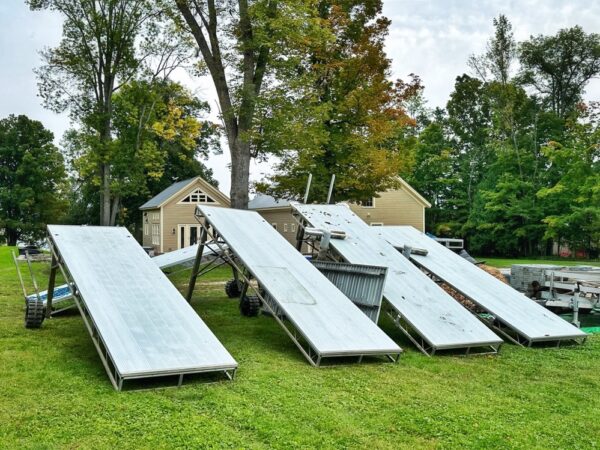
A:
(402, 206)
(168, 219)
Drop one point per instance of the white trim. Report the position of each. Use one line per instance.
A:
(376, 224)
(187, 234)
(413, 193)
(369, 207)
(199, 180)
(162, 231)
(198, 190)
(156, 227)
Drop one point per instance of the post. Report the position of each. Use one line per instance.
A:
(324, 245)
(331, 183)
(300, 235)
(196, 267)
(307, 188)
(20, 276)
(35, 285)
(51, 282)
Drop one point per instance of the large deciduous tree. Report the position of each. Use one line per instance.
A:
(560, 66)
(32, 179)
(158, 137)
(500, 53)
(352, 120)
(573, 198)
(245, 46)
(96, 55)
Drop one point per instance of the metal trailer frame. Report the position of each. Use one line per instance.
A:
(117, 379)
(209, 235)
(41, 296)
(408, 329)
(496, 323)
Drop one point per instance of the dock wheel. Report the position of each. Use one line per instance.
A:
(232, 288)
(34, 313)
(250, 305)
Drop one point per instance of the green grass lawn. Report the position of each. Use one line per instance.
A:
(55, 394)
(507, 262)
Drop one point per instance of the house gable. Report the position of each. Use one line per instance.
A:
(198, 192)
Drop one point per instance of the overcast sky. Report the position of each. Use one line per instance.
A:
(431, 38)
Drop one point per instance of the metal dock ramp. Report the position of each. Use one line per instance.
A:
(431, 319)
(320, 319)
(140, 324)
(517, 317)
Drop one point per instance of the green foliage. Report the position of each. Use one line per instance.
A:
(158, 138)
(560, 66)
(55, 392)
(511, 172)
(32, 179)
(500, 53)
(432, 175)
(256, 54)
(575, 196)
(98, 53)
(350, 119)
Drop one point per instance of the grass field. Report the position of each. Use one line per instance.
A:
(507, 262)
(55, 394)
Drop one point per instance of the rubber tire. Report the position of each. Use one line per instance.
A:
(34, 313)
(250, 305)
(233, 288)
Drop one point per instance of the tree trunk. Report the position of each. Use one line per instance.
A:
(12, 236)
(240, 173)
(105, 198)
(114, 209)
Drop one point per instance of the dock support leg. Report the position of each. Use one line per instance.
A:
(196, 268)
(51, 283)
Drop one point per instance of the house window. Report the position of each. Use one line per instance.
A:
(146, 229)
(293, 225)
(376, 224)
(197, 197)
(274, 225)
(367, 203)
(155, 234)
(285, 227)
(155, 217)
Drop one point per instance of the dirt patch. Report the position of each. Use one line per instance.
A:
(464, 300)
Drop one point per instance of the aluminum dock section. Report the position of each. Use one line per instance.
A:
(432, 319)
(140, 324)
(184, 256)
(517, 317)
(319, 318)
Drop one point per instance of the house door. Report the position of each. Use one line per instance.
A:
(187, 235)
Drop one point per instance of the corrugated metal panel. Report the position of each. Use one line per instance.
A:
(360, 283)
(430, 311)
(146, 325)
(514, 309)
(327, 319)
